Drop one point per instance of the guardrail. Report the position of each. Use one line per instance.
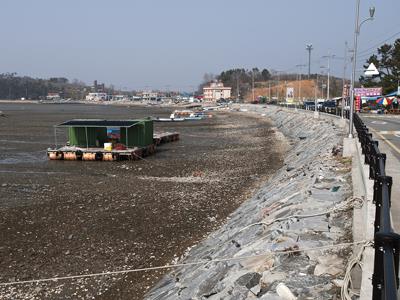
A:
(337, 111)
(385, 278)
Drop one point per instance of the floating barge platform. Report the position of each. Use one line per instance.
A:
(132, 140)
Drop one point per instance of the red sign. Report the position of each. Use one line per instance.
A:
(358, 103)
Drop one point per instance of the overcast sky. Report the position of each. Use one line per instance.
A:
(170, 44)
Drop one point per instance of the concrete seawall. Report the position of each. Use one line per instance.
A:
(247, 258)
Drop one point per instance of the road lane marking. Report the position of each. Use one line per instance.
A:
(393, 146)
(379, 122)
(382, 117)
(396, 133)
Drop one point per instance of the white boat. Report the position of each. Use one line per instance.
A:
(158, 119)
(194, 116)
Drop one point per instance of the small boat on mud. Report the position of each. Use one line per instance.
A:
(158, 119)
(184, 115)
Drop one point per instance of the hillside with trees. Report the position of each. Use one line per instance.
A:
(16, 87)
(272, 83)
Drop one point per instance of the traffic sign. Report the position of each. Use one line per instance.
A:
(371, 71)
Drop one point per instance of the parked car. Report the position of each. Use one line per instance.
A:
(309, 105)
(329, 106)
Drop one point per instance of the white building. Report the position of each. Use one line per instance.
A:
(96, 96)
(149, 95)
(216, 91)
(53, 96)
(119, 97)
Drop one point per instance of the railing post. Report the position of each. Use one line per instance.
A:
(368, 148)
(385, 279)
(378, 276)
(379, 166)
(377, 200)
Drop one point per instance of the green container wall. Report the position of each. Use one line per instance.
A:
(139, 135)
(149, 132)
(77, 136)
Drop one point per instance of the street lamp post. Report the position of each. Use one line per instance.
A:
(309, 48)
(316, 114)
(252, 84)
(300, 67)
(329, 56)
(353, 74)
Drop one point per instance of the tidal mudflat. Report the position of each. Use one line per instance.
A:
(60, 218)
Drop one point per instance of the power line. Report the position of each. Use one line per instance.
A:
(379, 44)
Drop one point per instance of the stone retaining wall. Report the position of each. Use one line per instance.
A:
(315, 179)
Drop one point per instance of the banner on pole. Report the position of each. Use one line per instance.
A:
(290, 95)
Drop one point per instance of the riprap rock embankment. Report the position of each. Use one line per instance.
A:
(315, 182)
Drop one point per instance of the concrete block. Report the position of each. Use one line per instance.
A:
(349, 147)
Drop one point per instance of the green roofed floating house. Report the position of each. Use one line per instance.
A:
(108, 140)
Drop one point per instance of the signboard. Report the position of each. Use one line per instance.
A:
(367, 92)
(113, 133)
(290, 95)
(357, 103)
(346, 91)
(371, 71)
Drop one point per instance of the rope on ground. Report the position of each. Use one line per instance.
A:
(343, 206)
(347, 288)
(266, 254)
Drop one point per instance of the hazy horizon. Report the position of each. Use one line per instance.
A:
(170, 45)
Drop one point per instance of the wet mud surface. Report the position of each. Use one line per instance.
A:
(61, 218)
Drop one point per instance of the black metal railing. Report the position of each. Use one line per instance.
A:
(337, 111)
(385, 279)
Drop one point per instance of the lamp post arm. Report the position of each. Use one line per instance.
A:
(359, 26)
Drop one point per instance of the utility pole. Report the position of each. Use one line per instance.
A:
(277, 90)
(315, 89)
(300, 66)
(252, 83)
(329, 68)
(237, 86)
(285, 91)
(300, 87)
(344, 77)
(329, 56)
(309, 48)
(269, 89)
(316, 114)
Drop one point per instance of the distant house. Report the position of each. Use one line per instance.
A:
(96, 96)
(119, 97)
(149, 95)
(216, 91)
(53, 96)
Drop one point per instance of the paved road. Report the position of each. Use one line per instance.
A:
(386, 129)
